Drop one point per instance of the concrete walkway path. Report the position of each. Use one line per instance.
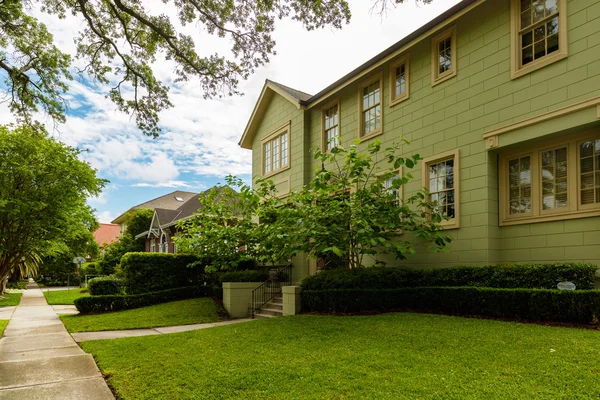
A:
(40, 360)
(85, 336)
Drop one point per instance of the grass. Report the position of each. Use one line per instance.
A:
(184, 312)
(10, 299)
(3, 323)
(388, 356)
(59, 297)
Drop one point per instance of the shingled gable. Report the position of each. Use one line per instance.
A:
(305, 101)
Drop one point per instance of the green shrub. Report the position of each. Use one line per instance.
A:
(244, 276)
(521, 304)
(105, 286)
(20, 285)
(541, 276)
(150, 272)
(96, 304)
(90, 268)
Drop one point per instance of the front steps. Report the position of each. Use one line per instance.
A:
(274, 308)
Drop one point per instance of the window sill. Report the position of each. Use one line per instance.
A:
(398, 100)
(553, 217)
(452, 224)
(371, 135)
(443, 78)
(277, 171)
(538, 64)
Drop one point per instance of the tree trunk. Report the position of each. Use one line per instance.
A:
(3, 285)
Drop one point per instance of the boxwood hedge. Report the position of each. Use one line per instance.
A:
(581, 306)
(95, 304)
(540, 276)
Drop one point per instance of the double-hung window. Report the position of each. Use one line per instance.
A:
(276, 151)
(331, 125)
(538, 30)
(370, 110)
(441, 180)
(555, 182)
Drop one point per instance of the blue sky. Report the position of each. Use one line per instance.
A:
(199, 143)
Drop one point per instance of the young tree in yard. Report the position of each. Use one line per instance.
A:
(227, 231)
(43, 188)
(349, 211)
(352, 209)
(120, 40)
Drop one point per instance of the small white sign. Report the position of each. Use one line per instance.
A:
(79, 260)
(566, 286)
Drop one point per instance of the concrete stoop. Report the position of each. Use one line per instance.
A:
(274, 308)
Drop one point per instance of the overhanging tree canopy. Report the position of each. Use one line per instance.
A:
(121, 39)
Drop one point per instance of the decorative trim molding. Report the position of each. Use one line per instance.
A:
(491, 137)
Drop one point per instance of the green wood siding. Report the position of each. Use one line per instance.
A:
(456, 113)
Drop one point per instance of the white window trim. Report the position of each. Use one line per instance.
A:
(453, 223)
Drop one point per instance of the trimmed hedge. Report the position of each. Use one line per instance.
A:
(244, 276)
(540, 276)
(150, 272)
(96, 304)
(522, 304)
(105, 286)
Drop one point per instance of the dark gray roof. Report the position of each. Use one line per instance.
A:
(170, 201)
(296, 94)
(187, 209)
(395, 47)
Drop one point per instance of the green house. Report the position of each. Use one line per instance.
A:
(501, 98)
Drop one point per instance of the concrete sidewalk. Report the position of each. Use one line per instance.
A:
(101, 335)
(40, 360)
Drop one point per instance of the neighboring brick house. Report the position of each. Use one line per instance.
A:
(170, 201)
(107, 234)
(501, 98)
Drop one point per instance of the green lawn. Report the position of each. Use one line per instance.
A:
(388, 356)
(3, 323)
(57, 297)
(10, 299)
(184, 312)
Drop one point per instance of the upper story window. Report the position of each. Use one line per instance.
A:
(331, 125)
(441, 179)
(370, 99)
(276, 151)
(399, 80)
(538, 29)
(443, 56)
(557, 182)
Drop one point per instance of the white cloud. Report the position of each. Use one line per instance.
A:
(105, 217)
(201, 135)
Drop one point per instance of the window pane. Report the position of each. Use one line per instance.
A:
(519, 185)
(525, 18)
(275, 145)
(284, 150)
(527, 55)
(538, 10)
(551, 7)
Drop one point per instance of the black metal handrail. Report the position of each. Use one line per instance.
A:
(271, 288)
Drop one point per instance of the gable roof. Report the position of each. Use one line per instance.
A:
(107, 234)
(396, 49)
(165, 218)
(270, 88)
(170, 201)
